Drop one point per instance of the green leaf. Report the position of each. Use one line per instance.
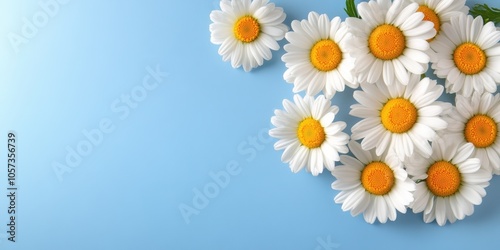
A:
(488, 13)
(350, 9)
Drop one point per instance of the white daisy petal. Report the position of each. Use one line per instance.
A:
(493, 51)
(388, 72)
(430, 208)
(489, 39)
(431, 110)
(375, 71)
(434, 122)
(470, 194)
(282, 144)
(366, 100)
(381, 208)
(403, 14)
(412, 21)
(463, 153)
(440, 211)
(371, 211)
(456, 207)
(471, 165)
(421, 144)
(494, 160)
(412, 65)
(299, 160)
(364, 202)
(290, 152)
(372, 139)
(353, 199)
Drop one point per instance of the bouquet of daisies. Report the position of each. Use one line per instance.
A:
(409, 150)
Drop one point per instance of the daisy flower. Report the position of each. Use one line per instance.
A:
(398, 118)
(450, 182)
(316, 56)
(477, 120)
(440, 11)
(247, 31)
(468, 55)
(390, 41)
(374, 185)
(308, 135)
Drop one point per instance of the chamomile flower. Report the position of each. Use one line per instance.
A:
(308, 135)
(390, 41)
(450, 182)
(317, 57)
(374, 185)
(477, 120)
(468, 55)
(247, 31)
(399, 118)
(440, 11)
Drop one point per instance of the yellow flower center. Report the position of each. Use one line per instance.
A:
(469, 58)
(246, 29)
(377, 178)
(326, 55)
(310, 133)
(481, 130)
(430, 15)
(387, 42)
(398, 115)
(443, 179)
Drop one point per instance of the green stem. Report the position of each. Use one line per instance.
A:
(350, 9)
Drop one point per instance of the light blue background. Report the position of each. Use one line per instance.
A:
(126, 193)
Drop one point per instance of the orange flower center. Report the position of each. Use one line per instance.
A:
(310, 133)
(326, 55)
(246, 29)
(377, 178)
(387, 42)
(430, 15)
(443, 179)
(469, 58)
(398, 115)
(481, 130)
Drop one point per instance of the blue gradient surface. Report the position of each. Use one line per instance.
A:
(125, 115)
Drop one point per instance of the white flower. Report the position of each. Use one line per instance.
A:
(399, 118)
(308, 135)
(317, 57)
(247, 30)
(374, 185)
(450, 181)
(390, 41)
(477, 120)
(468, 55)
(440, 11)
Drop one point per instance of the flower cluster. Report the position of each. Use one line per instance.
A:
(409, 150)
